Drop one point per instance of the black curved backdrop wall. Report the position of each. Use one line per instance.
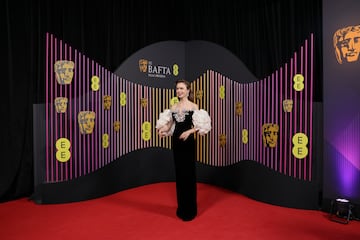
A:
(263, 34)
(138, 164)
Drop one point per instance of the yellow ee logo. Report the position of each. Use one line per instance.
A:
(298, 82)
(174, 100)
(222, 92)
(244, 134)
(95, 83)
(63, 153)
(105, 140)
(300, 150)
(175, 69)
(122, 99)
(146, 131)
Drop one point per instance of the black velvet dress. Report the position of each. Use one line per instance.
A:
(184, 156)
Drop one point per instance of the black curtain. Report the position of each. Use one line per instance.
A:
(262, 33)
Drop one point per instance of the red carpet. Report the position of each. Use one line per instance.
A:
(148, 212)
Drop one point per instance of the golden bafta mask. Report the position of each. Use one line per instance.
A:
(346, 42)
(270, 134)
(222, 140)
(144, 102)
(199, 94)
(64, 71)
(116, 126)
(86, 121)
(143, 63)
(288, 105)
(238, 108)
(107, 102)
(61, 104)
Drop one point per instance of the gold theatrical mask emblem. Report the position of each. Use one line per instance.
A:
(238, 108)
(116, 126)
(346, 43)
(288, 105)
(86, 121)
(61, 104)
(143, 64)
(107, 102)
(270, 134)
(144, 102)
(64, 71)
(222, 140)
(199, 94)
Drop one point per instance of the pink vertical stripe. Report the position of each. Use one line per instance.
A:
(75, 142)
(52, 79)
(291, 123)
(87, 98)
(301, 105)
(58, 117)
(71, 122)
(212, 114)
(228, 126)
(261, 121)
(276, 114)
(281, 133)
(83, 105)
(272, 99)
(128, 143)
(117, 101)
(256, 135)
(55, 128)
(250, 129)
(47, 108)
(238, 130)
(102, 118)
(65, 119)
(311, 104)
(108, 129)
(295, 115)
(246, 117)
(112, 113)
(267, 116)
(93, 109)
(306, 101)
(286, 121)
(218, 115)
(97, 125)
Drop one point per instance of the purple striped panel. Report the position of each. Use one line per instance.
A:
(262, 103)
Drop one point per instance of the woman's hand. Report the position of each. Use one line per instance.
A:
(162, 131)
(186, 134)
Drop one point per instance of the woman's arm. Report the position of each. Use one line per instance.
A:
(165, 124)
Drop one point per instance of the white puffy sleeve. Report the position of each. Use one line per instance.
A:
(201, 121)
(164, 119)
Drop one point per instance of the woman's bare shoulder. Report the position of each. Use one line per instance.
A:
(195, 106)
(173, 107)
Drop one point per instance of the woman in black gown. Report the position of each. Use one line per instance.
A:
(182, 121)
